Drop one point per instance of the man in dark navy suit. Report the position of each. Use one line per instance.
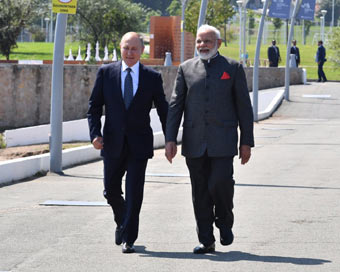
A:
(273, 53)
(320, 59)
(127, 89)
(295, 50)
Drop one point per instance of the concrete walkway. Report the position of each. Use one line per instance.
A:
(287, 206)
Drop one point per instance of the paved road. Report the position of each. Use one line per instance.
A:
(287, 206)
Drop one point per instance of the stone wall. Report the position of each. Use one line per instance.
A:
(25, 90)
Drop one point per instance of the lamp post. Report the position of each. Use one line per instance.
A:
(184, 3)
(332, 23)
(46, 28)
(239, 3)
(51, 27)
(323, 12)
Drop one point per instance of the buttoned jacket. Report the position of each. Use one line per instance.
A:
(213, 98)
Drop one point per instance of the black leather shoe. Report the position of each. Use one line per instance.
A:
(226, 236)
(118, 236)
(127, 248)
(202, 249)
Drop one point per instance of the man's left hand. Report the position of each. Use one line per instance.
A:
(245, 153)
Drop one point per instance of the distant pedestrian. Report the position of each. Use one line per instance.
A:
(273, 55)
(320, 59)
(295, 50)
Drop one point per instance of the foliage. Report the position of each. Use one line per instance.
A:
(2, 141)
(175, 8)
(308, 25)
(13, 17)
(106, 21)
(277, 22)
(218, 13)
(251, 24)
(334, 45)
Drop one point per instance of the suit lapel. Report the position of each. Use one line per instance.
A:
(117, 82)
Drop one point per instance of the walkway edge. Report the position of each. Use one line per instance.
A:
(17, 169)
(271, 108)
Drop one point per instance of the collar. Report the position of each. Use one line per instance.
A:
(212, 58)
(217, 53)
(134, 68)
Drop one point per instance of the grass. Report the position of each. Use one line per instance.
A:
(44, 51)
(2, 141)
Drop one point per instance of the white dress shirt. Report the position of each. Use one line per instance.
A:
(134, 74)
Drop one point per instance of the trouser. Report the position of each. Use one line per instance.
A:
(126, 211)
(321, 73)
(212, 194)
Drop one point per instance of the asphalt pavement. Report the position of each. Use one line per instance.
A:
(287, 206)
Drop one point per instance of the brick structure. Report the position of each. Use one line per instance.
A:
(165, 36)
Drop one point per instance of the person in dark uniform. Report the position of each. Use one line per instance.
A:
(295, 50)
(320, 59)
(273, 55)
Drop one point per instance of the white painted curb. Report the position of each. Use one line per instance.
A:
(18, 169)
(274, 104)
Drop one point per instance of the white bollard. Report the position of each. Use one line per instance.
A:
(106, 55)
(167, 61)
(114, 55)
(88, 52)
(304, 76)
(292, 61)
(79, 58)
(70, 56)
(97, 58)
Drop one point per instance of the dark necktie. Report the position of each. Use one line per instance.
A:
(128, 89)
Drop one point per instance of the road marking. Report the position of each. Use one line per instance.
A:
(72, 203)
(272, 128)
(316, 95)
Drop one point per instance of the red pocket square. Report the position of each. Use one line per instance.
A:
(225, 76)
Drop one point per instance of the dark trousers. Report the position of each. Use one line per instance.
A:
(212, 194)
(126, 211)
(321, 73)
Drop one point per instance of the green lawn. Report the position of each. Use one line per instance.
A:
(44, 51)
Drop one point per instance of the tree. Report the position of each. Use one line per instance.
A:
(106, 21)
(175, 8)
(277, 22)
(334, 45)
(218, 13)
(251, 25)
(13, 17)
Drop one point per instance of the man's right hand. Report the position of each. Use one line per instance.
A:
(98, 143)
(170, 150)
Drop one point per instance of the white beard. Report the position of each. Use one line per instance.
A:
(210, 54)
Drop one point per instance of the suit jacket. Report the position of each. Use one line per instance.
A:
(132, 125)
(321, 54)
(215, 101)
(295, 50)
(273, 55)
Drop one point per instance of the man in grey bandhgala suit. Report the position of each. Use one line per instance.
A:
(211, 91)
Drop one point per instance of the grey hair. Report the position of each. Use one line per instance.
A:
(210, 28)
